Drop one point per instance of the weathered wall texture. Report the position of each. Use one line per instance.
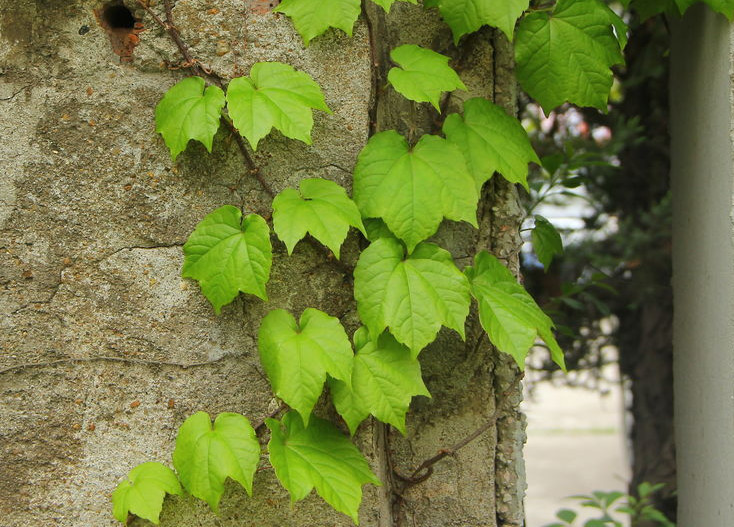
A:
(702, 118)
(105, 350)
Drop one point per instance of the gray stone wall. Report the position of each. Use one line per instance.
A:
(105, 350)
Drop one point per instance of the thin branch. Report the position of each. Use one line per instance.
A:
(425, 469)
(280, 409)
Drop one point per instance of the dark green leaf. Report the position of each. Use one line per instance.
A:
(566, 55)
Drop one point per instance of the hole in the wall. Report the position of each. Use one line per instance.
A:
(121, 27)
(117, 16)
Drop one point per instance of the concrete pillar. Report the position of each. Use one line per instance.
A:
(702, 150)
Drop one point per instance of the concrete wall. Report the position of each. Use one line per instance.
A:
(703, 267)
(105, 350)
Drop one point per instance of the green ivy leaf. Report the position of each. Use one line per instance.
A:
(322, 208)
(412, 191)
(297, 357)
(274, 95)
(387, 4)
(188, 111)
(546, 241)
(423, 74)
(467, 16)
(228, 254)
(412, 296)
(491, 141)
(143, 491)
(313, 17)
(385, 378)
(507, 312)
(318, 456)
(566, 55)
(206, 456)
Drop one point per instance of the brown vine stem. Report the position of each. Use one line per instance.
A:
(198, 68)
(425, 469)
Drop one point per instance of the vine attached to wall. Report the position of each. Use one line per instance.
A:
(406, 288)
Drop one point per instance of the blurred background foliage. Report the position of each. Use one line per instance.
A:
(609, 292)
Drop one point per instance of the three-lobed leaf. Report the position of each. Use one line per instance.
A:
(547, 242)
(413, 190)
(385, 378)
(143, 491)
(318, 456)
(412, 296)
(507, 312)
(205, 455)
(274, 96)
(313, 17)
(297, 356)
(491, 141)
(227, 254)
(321, 208)
(566, 54)
(467, 16)
(423, 74)
(189, 111)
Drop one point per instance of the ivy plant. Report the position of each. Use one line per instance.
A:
(406, 287)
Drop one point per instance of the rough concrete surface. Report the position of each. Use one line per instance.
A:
(105, 350)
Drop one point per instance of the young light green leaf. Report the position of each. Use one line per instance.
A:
(491, 141)
(188, 111)
(297, 357)
(206, 456)
(423, 74)
(387, 4)
(507, 312)
(143, 491)
(412, 296)
(313, 17)
(467, 16)
(274, 95)
(228, 254)
(412, 191)
(385, 378)
(322, 208)
(377, 229)
(566, 55)
(318, 456)
(546, 241)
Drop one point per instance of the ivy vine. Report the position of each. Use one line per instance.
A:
(406, 288)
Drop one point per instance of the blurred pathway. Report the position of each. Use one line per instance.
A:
(575, 445)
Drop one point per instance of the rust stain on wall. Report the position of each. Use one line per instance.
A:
(122, 32)
(260, 7)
